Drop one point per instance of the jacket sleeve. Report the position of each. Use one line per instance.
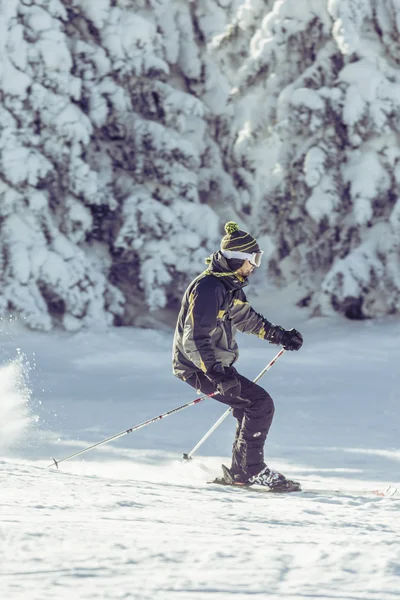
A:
(246, 319)
(205, 302)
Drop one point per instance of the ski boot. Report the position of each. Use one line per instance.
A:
(275, 481)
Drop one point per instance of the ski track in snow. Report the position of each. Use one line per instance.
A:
(131, 520)
(105, 536)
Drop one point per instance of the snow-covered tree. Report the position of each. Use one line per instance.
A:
(130, 129)
(315, 144)
(109, 167)
(44, 271)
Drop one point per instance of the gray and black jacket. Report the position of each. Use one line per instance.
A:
(213, 307)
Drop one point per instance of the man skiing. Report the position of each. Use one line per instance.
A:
(213, 307)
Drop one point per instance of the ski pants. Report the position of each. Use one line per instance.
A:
(254, 411)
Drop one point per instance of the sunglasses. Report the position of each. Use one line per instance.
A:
(254, 258)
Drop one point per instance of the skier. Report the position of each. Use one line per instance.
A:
(213, 307)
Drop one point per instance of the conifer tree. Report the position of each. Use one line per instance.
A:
(315, 95)
(109, 168)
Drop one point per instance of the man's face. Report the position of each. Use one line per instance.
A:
(246, 269)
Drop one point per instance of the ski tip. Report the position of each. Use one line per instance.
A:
(219, 481)
(391, 492)
(55, 462)
(186, 456)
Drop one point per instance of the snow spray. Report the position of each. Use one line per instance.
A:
(15, 394)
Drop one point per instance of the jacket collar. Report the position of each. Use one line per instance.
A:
(218, 267)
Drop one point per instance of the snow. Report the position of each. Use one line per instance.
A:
(14, 154)
(131, 520)
(368, 180)
(74, 147)
(395, 217)
(324, 200)
(314, 166)
(98, 12)
(156, 232)
(15, 417)
(349, 18)
(188, 58)
(248, 11)
(128, 35)
(284, 112)
(349, 274)
(308, 98)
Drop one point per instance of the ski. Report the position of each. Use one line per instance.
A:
(390, 492)
(228, 481)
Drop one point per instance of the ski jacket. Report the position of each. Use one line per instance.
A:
(213, 307)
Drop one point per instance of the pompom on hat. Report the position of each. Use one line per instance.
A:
(238, 245)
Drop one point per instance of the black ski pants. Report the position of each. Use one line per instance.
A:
(254, 411)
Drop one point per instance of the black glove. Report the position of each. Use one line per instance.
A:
(292, 340)
(225, 380)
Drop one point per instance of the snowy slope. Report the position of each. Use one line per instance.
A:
(131, 520)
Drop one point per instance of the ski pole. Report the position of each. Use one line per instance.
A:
(135, 428)
(189, 455)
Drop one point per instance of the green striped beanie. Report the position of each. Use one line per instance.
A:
(237, 240)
